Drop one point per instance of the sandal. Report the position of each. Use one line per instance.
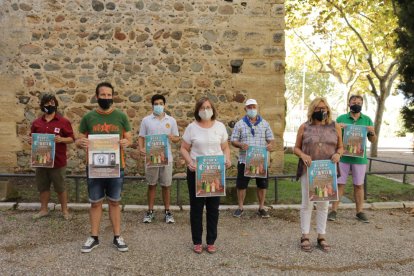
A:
(323, 245)
(305, 247)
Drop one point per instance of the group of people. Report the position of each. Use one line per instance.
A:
(318, 138)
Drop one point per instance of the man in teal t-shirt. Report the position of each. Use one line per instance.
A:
(105, 120)
(356, 164)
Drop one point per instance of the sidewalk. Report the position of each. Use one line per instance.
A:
(246, 246)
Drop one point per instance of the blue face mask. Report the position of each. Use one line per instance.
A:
(252, 113)
(158, 109)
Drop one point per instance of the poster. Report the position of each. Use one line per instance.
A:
(210, 176)
(43, 150)
(322, 180)
(256, 162)
(103, 156)
(156, 149)
(355, 138)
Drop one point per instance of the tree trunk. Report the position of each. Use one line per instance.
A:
(378, 118)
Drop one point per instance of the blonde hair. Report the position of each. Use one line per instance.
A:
(314, 104)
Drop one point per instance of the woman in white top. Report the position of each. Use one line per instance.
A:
(204, 136)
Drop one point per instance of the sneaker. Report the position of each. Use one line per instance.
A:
(362, 217)
(263, 213)
(149, 216)
(198, 248)
(211, 248)
(89, 245)
(238, 213)
(169, 218)
(120, 244)
(332, 216)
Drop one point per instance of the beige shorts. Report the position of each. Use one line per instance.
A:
(163, 175)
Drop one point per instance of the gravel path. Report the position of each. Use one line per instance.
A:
(246, 246)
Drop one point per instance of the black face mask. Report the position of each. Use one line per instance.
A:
(319, 115)
(49, 109)
(356, 108)
(105, 103)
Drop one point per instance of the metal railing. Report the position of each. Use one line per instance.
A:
(404, 173)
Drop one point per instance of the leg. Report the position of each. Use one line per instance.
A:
(359, 197)
(58, 178)
(95, 215)
(261, 196)
(212, 208)
(43, 186)
(152, 189)
(63, 199)
(358, 175)
(341, 191)
(306, 208)
(44, 200)
(241, 195)
(166, 197)
(196, 210)
(115, 217)
(241, 184)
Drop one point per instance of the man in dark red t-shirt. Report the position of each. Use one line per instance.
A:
(53, 123)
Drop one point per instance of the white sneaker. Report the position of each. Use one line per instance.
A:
(169, 218)
(89, 245)
(149, 216)
(120, 244)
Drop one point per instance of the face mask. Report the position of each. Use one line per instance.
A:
(205, 114)
(252, 113)
(319, 115)
(158, 109)
(105, 103)
(356, 108)
(49, 109)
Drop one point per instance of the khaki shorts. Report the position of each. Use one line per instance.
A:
(163, 175)
(45, 176)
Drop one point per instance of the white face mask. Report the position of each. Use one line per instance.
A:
(205, 114)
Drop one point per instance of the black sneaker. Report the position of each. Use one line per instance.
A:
(89, 245)
(238, 213)
(120, 244)
(263, 213)
(332, 216)
(362, 217)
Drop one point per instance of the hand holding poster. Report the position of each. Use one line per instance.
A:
(156, 150)
(103, 156)
(322, 181)
(210, 176)
(256, 162)
(43, 150)
(355, 138)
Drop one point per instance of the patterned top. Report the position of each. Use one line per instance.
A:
(320, 142)
(242, 133)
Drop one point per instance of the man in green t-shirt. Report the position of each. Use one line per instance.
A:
(105, 120)
(356, 164)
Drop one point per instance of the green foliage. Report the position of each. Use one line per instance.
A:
(405, 42)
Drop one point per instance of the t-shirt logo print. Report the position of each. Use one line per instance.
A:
(105, 128)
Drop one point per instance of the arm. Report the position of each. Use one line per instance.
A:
(141, 145)
(185, 152)
(270, 145)
(226, 150)
(240, 145)
(64, 140)
(82, 141)
(127, 140)
(372, 137)
(235, 138)
(340, 146)
(174, 139)
(298, 147)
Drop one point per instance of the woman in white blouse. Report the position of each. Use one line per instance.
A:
(204, 136)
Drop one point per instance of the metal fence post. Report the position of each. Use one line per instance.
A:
(370, 163)
(77, 190)
(404, 175)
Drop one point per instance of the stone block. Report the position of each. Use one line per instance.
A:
(7, 205)
(33, 206)
(256, 66)
(408, 204)
(11, 112)
(387, 205)
(8, 160)
(75, 206)
(286, 207)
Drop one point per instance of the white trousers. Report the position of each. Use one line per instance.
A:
(306, 211)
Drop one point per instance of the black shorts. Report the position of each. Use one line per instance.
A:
(242, 181)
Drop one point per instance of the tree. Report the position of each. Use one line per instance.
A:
(405, 42)
(361, 40)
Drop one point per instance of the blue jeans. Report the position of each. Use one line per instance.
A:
(98, 188)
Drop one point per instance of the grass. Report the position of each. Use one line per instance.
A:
(289, 192)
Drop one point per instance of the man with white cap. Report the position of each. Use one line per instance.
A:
(251, 130)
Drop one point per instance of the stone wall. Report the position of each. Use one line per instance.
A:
(184, 49)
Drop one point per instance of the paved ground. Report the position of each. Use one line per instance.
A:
(247, 246)
(402, 156)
